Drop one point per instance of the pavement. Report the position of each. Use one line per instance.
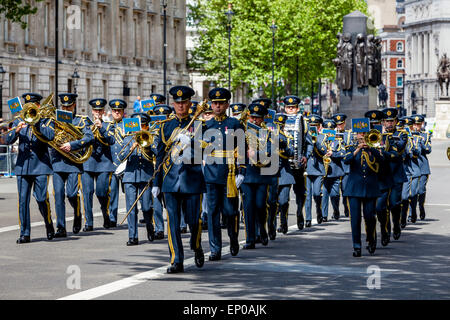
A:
(315, 263)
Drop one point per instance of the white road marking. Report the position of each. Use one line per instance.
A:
(41, 223)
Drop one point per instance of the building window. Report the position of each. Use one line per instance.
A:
(399, 81)
(399, 64)
(400, 46)
(12, 84)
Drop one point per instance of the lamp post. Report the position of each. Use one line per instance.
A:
(75, 77)
(2, 76)
(274, 29)
(229, 15)
(413, 100)
(56, 51)
(164, 4)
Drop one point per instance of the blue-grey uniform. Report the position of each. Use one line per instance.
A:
(345, 137)
(334, 173)
(159, 110)
(315, 150)
(286, 179)
(116, 178)
(98, 170)
(291, 128)
(424, 165)
(182, 184)
(67, 174)
(220, 169)
(412, 169)
(138, 172)
(392, 177)
(256, 183)
(362, 190)
(33, 167)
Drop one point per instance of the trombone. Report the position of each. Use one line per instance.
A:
(144, 140)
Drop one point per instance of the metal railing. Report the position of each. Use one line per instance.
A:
(7, 161)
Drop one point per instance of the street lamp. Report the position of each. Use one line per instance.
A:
(274, 29)
(229, 15)
(2, 76)
(75, 77)
(413, 100)
(164, 4)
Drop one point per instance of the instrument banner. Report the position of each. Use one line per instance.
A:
(270, 116)
(64, 116)
(331, 134)
(132, 125)
(15, 105)
(157, 118)
(148, 104)
(360, 125)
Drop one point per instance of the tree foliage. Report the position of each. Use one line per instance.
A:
(15, 10)
(306, 32)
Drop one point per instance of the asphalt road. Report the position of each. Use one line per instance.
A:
(315, 263)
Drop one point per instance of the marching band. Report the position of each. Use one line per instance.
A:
(381, 173)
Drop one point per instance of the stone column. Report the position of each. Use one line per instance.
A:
(426, 51)
(420, 54)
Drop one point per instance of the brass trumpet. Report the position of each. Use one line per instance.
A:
(144, 140)
(373, 138)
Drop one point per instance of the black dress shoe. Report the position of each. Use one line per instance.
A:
(422, 216)
(106, 224)
(50, 232)
(319, 219)
(215, 256)
(23, 239)
(371, 248)
(76, 225)
(159, 235)
(132, 242)
(112, 224)
(258, 239)
(183, 230)
(199, 258)
(396, 235)
(384, 240)
(325, 219)
(150, 232)
(175, 268)
(308, 224)
(336, 216)
(234, 247)
(88, 228)
(357, 252)
(300, 223)
(141, 220)
(264, 240)
(248, 246)
(272, 235)
(61, 233)
(204, 226)
(403, 225)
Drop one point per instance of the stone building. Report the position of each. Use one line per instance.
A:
(427, 26)
(115, 46)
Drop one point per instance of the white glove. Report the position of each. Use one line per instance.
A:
(155, 192)
(184, 139)
(239, 180)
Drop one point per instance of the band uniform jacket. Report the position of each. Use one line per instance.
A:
(33, 157)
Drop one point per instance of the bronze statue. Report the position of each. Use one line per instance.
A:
(347, 62)
(360, 61)
(378, 65)
(443, 73)
(338, 60)
(370, 57)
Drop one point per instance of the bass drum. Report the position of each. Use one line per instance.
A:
(295, 127)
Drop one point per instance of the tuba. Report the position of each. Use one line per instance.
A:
(64, 132)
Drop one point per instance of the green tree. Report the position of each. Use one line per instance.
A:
(15, 10)
(306, 32)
